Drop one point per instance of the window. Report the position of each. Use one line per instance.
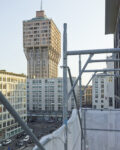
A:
(4, 124)
(102, 95)
(96, 101)
(4, 109)
(8, 123)
(4, 86)
(101, 101)
(102, 85)
(96, 96)
(4, 79)
(110, 101)
(102, 106)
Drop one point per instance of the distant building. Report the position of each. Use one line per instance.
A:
(87, 97)
(46, 95)
(103, 90)
(112, 26)
(13, 86)
(42, 46)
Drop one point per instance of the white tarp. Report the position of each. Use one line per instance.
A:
(103, 132)
(108, 121)
(56, 140)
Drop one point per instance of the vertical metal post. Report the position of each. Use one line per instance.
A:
(80, 82)
(77, 107)
(80, 87)
(65, 83)
(85, 129)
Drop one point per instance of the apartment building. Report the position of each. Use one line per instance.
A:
(13, 86)
(103, 92)
(103, 89)
(42, 46)
(87, 97)
(46, 95)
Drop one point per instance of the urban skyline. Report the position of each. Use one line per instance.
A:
(14, 46)
(42, 110)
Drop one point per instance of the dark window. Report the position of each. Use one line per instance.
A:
(110, 101)
(96, 96)
(4, 124)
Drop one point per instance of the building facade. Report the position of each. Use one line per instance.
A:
(46, 95)
(103, 89)
(42, 46)
(87, 97)
(13, 86)
(112, 26)
(103, 92)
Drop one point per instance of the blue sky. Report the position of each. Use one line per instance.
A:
(86, 28)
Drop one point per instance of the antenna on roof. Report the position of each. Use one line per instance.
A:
(41, 4)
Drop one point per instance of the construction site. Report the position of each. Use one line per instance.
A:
(87, 128)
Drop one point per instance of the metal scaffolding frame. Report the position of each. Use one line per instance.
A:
(66, 94)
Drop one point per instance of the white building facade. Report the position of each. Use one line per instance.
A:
(46, 95)
(13, 87)
(103, 90)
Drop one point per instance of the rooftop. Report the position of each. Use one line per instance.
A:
(40, 15)
(11, 73)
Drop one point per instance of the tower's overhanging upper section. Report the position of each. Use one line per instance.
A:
(111, 13)
(42, 46)
(41, 31)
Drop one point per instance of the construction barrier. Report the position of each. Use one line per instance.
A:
(56, 140)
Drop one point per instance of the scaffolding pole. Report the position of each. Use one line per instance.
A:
(76, 103)
(65, 103)
(7, 105)
(101, 70)
(95, 51)
(80, 82)
(104, 60)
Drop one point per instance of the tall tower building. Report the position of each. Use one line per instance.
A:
(42, 46)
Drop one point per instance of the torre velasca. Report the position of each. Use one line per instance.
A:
(42, 46)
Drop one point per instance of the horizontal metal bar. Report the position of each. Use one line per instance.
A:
(100, 110)
(102, 70)
(104, 60)
(111, 75)
(95, 51)
(108, 130)
(7, 105)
